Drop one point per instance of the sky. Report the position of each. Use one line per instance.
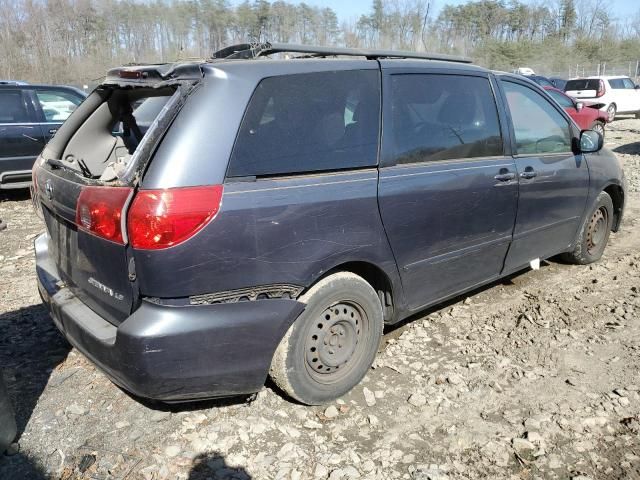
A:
(352, 9)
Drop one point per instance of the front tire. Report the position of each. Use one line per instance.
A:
(332, 344)
(594, 233)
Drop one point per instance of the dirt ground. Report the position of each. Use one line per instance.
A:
(535, 376)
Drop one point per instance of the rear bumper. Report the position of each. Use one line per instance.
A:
(172, 353)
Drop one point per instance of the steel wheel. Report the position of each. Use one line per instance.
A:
(333, 342)
(597, 229)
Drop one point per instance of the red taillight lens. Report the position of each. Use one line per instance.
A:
(601, 89)
(164, 218)
(99, 211)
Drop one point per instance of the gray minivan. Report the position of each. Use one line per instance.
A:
(277, 213)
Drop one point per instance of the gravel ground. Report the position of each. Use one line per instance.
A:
(535, 376)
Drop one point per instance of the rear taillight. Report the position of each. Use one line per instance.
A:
(99, 211)
(601, 89)
(164, 218)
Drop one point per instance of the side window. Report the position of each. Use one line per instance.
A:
(628, 83)
(12, 107)
(308, 123)
(616, 83)
(563, 100)
(57, 105)
(440, 117)
(539, 127)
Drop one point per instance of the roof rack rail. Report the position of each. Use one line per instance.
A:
(255, 50)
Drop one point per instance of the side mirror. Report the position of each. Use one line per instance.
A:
(579, 106)
(590, 141)
(637, 87)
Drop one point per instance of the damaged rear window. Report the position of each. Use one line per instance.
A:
(109, 140)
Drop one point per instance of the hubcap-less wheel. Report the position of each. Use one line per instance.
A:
(332, 342)
(598, 127)
(611, 111)
(596, 232)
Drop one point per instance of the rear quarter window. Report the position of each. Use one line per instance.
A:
(309, 123)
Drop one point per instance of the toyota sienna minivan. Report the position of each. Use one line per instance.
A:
(276, 213)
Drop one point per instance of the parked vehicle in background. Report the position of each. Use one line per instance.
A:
(29, 116)
(277, 213)
(524, 71)
(540, 80)
(586, 114)
(619, 94)
(558, 82)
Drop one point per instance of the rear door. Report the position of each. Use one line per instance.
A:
(54, 106)
(85, 217)
(621, 96)
(20, 137)
(553, 180)
(633, 93)
(447, 188)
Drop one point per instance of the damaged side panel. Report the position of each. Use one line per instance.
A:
(274, 231)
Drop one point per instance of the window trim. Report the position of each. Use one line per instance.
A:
(278, 176)
(387, 154)
(573, 128)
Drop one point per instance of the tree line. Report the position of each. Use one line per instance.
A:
(75, 41)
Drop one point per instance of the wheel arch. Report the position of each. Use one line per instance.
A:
(617, 197)
(388, 292)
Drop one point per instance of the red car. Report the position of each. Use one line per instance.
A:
(586, 114)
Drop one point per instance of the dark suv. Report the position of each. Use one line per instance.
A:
(276, 213)
(29, 116)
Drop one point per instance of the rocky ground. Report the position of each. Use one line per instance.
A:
(535, 376)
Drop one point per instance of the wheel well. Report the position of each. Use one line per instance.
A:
(617, 197)
(377, 278)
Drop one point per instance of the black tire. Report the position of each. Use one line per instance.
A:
(598, 126)
(332, 344)
(611, 111)
(594, 232)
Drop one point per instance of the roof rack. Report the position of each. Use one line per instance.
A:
(254, 50)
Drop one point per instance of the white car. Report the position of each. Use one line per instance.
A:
(618, 94)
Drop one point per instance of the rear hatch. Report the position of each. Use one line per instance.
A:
(583, 88)
(86, 176)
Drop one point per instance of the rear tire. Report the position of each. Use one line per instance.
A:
(611, 111)
(594, 233)
(332, 344)
(598, 127)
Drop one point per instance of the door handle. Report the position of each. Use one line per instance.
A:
(529, 172)
(505, 177)
(52, 131)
